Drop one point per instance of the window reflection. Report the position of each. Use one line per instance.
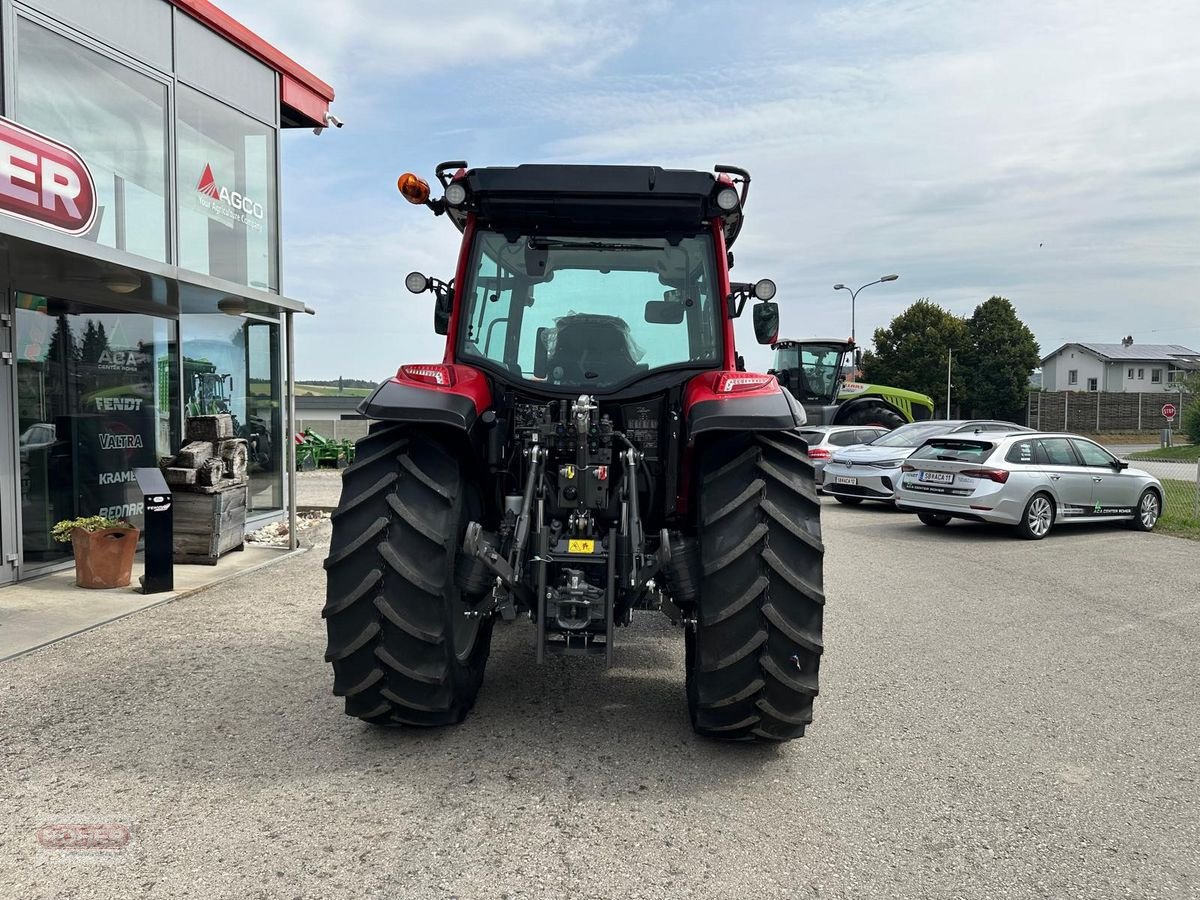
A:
(94, 400)
(115, 118)
(231, 365)
(226, 191)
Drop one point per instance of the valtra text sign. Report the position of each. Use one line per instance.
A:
(1169, 411)
(44, 181)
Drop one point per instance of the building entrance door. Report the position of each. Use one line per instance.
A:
(9, 470)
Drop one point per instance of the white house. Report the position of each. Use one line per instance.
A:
(1125, 367)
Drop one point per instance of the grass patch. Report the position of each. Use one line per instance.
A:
(320, 390)
(1179, 510)
(1180, 453)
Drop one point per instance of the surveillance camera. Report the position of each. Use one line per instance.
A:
(334, 120)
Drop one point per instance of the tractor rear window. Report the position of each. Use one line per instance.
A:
(955, 451)
(595, 313)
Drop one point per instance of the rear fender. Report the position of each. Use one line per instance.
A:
(458, 403)
(764, 408)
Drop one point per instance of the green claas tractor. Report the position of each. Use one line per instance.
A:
(815, 370)
(587, 453)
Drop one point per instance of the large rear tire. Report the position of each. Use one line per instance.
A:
(755, 646)
(873, 415)
(404, 646)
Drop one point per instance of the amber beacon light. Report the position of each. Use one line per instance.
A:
(414, 189)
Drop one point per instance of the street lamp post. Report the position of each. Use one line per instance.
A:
(854, 296)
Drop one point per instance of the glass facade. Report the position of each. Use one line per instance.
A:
(231, 365)
(226, 190)
(108, 367)
(115, 118)
(95, 392)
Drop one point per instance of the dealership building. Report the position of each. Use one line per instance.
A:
(139, 254)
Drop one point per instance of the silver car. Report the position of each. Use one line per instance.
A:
(824, 440)
(1029, 481)
(871, 472)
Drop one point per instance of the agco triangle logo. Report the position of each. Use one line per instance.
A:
(208, 184)
(229, 204)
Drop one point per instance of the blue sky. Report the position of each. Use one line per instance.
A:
(1047, 152)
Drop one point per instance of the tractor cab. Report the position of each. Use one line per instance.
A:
(813, 370)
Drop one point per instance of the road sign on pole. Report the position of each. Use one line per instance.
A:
(1169, 411)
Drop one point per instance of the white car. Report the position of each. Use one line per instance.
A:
(871, 472)
(1029, 481)
(825, 440)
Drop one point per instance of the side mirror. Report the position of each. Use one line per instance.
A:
(1120, 465)
(541, 354)
(766, 322)
(664, 312)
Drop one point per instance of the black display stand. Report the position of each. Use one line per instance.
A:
(157, 531)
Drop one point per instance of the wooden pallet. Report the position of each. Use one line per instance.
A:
(209, 525)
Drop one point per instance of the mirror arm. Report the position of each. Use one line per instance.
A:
(739, 295)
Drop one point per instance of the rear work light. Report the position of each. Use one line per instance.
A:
(443, 376)
(818, 453)
(1000, 476)
(737, 382)
(456, 193)
(727, 199)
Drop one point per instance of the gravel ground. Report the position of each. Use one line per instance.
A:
(319, 488)
(998, 719)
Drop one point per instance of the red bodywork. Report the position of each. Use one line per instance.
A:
(462, 380)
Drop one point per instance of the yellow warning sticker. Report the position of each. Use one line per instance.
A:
(574, 546)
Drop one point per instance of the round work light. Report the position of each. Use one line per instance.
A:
(416, 282)
(727, 199)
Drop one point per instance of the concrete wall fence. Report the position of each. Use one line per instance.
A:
(1099, 411)
(335, 429)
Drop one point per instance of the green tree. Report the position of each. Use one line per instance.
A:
(1000, 357)
(1190, 414)
(913, 350)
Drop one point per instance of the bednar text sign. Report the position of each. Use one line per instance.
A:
(44, 181)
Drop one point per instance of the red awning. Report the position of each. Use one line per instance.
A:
(303, 96)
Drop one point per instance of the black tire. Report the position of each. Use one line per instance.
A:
(1033, 525)
(403, 649)
(1148, 511)
(934, 520)
(849, 501)
(754, 649)
(873, 415)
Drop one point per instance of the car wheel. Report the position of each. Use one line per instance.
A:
(1149, 509)
(1038, 518)
(934, 520)
(849, 501)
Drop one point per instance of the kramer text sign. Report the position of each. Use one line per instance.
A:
(44, 181)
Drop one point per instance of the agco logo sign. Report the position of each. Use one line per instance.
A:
(221, 201)
(44, 181)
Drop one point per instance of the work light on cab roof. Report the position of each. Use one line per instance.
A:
(590, 445)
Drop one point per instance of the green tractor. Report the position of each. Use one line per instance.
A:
(819, 373)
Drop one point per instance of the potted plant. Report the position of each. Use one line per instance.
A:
(103, 547)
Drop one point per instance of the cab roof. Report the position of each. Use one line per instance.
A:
(555, 199)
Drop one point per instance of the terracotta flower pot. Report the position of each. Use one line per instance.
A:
(104, 559)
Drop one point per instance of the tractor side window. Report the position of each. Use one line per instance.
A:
(487, 327)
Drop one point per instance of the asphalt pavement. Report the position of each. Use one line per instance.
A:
(998, 719)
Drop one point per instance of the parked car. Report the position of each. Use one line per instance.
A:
(872, 471)
(1030, 481)
(824, 440)
(38, 436)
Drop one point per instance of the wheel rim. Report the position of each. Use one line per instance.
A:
(1040, 516)
(1149, 511)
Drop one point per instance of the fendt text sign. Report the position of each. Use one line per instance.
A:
(44, 181)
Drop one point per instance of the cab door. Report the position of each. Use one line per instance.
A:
(1114, 490)
(1068, 478)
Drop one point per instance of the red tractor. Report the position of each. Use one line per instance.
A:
(590, 446)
